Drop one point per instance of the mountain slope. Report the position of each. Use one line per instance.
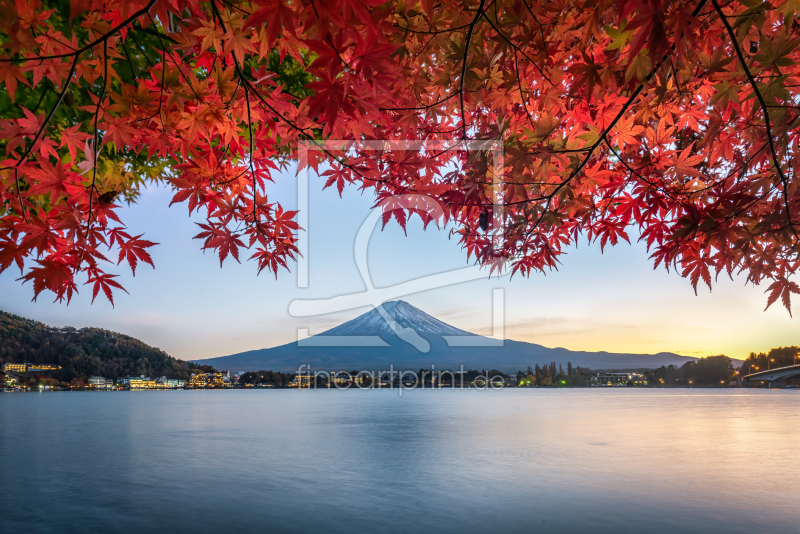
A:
(84, 352)
(408, 338)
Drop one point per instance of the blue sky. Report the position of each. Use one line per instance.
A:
(193, 309)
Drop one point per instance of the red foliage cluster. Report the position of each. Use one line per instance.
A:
(676, 117)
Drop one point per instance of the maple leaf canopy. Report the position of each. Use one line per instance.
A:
(672, 121)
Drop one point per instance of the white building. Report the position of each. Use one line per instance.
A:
(99, 382)
(170, 383)
(618, 379)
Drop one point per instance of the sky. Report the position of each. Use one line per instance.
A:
(193, 309)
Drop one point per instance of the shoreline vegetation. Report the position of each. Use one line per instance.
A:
(96, 359)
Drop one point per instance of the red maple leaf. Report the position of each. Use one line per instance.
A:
(133, 249)
(782, 288)
(74, 140)
(56, 181)
(11, 74)
(105, 282)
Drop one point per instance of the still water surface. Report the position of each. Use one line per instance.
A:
(540, 460)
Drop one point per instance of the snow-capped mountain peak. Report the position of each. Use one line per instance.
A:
(406, 316)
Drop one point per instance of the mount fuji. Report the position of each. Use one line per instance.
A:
(373, 323)
(396, 333)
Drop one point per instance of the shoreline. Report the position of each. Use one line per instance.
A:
(90, 390)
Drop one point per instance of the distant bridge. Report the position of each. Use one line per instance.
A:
(777, 376)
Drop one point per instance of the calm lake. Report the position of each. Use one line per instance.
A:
(517, 460)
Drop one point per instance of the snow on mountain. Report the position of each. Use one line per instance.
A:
(373, 323)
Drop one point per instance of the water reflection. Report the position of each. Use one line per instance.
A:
(553, 460)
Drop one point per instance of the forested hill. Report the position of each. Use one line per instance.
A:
(85, 352)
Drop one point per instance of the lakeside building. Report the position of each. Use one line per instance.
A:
(99, 382)
(145, 382)
(137, 382)
(29, 368)
(42, 368)
(340, 379)
(13, 371)
(169, 383)
(14, 367)
(209, 380)
(344, 378)
(302, 380)
(10, 381)
(618, 379)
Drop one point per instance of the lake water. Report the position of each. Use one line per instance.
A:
(517, 460)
